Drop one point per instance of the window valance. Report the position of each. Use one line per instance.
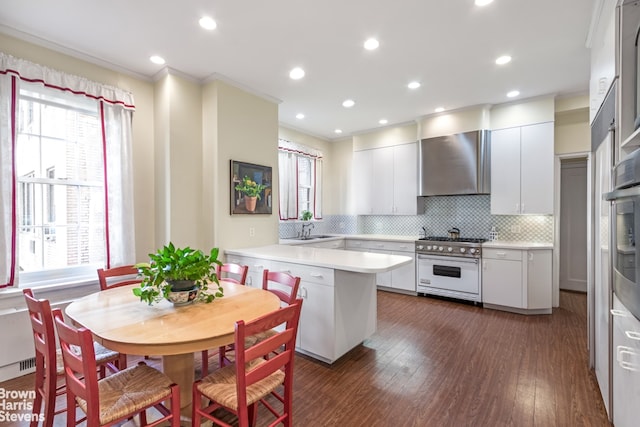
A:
(37, 73)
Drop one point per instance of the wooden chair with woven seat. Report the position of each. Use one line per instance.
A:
(115, 398)
(49, 365)
(284, 286)
(235, 273)
(239, 387)
(118, 276)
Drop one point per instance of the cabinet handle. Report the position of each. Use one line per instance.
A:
(248, 281)
(501, 254)
(517, 207)
(285, 271)
(522, 208)
(302, 292)
(632, 335)
(625, 364)
(315, 275)
(259, 266)
(484, 265)
(530, 256)
(620, 313)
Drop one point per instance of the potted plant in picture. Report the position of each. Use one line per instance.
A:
(251, 191)
(180, 275)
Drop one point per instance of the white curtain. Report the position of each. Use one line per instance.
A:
(8, 103)
(118, 106)
(119, 178)
(288, 185)
(317, 199)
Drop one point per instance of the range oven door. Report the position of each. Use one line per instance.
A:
(626, 257)
(454, 277)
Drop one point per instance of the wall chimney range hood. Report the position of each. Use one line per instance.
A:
(455, 164)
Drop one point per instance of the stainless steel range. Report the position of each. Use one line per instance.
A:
(449, 267)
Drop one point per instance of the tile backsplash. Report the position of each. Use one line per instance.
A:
(471, 214)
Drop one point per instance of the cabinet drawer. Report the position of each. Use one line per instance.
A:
(380, 245)
(509, 254)
(320, 275)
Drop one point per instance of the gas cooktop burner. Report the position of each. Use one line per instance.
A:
(448, 239)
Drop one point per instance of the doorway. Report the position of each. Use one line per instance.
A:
(573, 224)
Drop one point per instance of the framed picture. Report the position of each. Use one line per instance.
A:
(250, 188)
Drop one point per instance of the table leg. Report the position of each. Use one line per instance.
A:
(180, 368)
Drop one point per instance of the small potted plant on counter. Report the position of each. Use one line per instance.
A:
(180, 275)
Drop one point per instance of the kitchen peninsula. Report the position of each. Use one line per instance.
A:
(338, 288)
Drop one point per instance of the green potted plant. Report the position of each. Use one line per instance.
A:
(251, 191)
(180, 275)
(306, 216)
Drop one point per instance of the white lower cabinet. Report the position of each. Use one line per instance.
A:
(502, 277)
(518, 279)
(402, 278)
(256, 267)
(626, 366)
(317, 309)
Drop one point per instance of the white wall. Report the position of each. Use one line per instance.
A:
(522, 113)
(458, 121)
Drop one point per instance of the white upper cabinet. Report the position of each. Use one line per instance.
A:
(522, 170)
(386, 180)
(362, 173)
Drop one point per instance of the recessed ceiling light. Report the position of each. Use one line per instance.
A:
(413, 85)
(297, 73)
(348, 103)
(513, 94)
(383, 121)
(338, 131)
(505, 59)
(207, 23)
(157, 59)
(371, 44)
(439, 109)
(483, 2)
(300, 116)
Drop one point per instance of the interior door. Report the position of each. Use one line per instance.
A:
(573, 225)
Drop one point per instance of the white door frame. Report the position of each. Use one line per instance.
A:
(556, 226)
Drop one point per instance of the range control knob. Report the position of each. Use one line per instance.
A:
(450, 249)
(463, 250)
(419, 247)
(440, 248)
(429, 247)
(472, 250)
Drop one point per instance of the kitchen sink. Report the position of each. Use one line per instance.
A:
(312, 237)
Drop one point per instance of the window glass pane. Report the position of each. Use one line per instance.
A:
(60, 181)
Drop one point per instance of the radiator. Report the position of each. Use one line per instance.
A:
(17, 356)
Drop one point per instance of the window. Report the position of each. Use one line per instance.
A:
(300, 174)
(60, 174)
(305, 184)
(66, 181)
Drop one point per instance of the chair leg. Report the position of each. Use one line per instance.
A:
(175, 406)
(222, 351)
(252, 412)
(205, 363)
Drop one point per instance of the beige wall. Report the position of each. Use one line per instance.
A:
(527, 112)
(245, 128)
(143, 127)
(572, 132)
(454, 122)
(392, 135)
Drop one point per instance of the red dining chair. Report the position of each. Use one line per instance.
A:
(49, 364)
(118, 276)
(235, 273)
(118, 397)
(231, 272)
(241, 386)
(284, 286)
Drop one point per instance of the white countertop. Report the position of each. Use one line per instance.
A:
(359, 262)
(385, 237)
(517, 245)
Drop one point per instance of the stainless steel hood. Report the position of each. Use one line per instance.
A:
(455, 164)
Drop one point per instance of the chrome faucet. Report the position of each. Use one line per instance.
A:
(307, 232)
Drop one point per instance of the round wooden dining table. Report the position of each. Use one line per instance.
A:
(121, 322)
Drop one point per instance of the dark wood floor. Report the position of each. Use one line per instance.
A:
(440, 363)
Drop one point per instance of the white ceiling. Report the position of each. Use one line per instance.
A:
(448, 45)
